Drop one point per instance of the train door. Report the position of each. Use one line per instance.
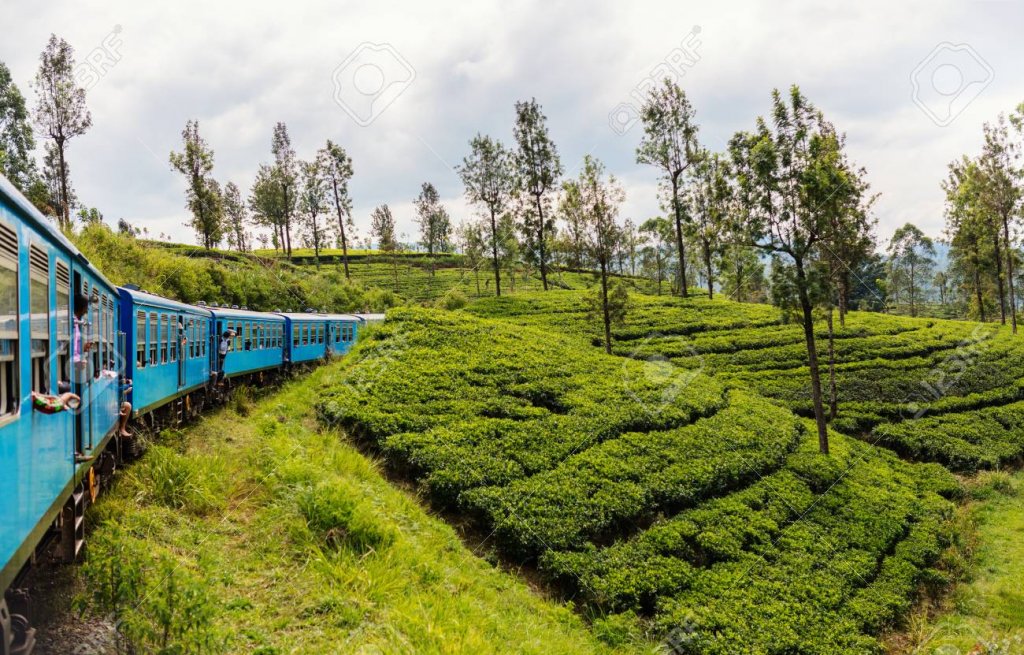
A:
(81, 377)
(181, 339)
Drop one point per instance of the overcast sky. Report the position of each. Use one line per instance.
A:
(404, 86)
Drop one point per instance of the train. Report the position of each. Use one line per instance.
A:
(160, 355)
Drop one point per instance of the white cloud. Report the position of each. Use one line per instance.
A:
(239, 67)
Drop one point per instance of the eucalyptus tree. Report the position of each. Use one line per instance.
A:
(236, 217)
(657, 235)
(337, 170)
(601, 196)
(572, 212)
(911, 258)
(203, 197)
(434, 222)
(970, 257)
(382, 227)
(266, 203)
(16, 139)
(1002, 193)
(537, 170)
(707, 203)
(313, 205)
(786, 171)
(286, 175)
(471, 240)
(60, 113)
(670, 143)
(487, 173)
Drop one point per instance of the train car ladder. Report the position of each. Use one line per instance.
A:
(73, 524)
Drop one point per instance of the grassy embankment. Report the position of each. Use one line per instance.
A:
(255, 531)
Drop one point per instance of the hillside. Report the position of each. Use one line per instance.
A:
(256, 532)
(932, 390)
(672, 497)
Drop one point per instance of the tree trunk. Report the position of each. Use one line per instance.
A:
(476, 273)
(494, 252)
(977, 285)
(833, 403)
(844, 297)
(65, 204)
(1009, 272)
(604, 307)
(913, 307)
(540, 239)
(999, 278)
(341, 227)
(707, 265)
(677, 210)
(812, 356)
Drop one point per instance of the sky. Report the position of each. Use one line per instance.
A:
(403, 86)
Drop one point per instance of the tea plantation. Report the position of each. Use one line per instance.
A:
(931, 390)
(682, 500)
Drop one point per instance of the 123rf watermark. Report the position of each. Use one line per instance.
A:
(100, 60)
(673, 67)
(370, 79)
(949, 79)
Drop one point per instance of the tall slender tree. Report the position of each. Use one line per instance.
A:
(911, 258)
(537, 169)
(434, 222)
(203, 197)
(488, 176)
(785, 173)
(236, 217)
(265, 202)
(61, 113)
(601, 197)
(313, 205)
(16, 139)
(287, 177)
(1002, 193)
(337, 166)
(382, 227)
(670, 143)
(707, 203)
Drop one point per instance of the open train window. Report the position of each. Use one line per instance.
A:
(165, 333)
(295, 336)
(173, 337)
(154, 338)
(9, 392)
(95, 332)
(140, 340)
(202, 338)
(63, 320)
(39, 317)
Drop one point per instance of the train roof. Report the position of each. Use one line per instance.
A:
(370, 318)
(228, 312)
(146, 298)
(35, 218)
(304, 316)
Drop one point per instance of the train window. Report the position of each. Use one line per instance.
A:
(95, 331)
(295, 335)
(165, 334)
(9, 392)
(39, 308)
(63, 319)
(190, 336)
(202, 338)
(140, 340)
(319, 334)
(154, 338)
(173, 337)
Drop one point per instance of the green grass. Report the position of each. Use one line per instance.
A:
(986, 611)
(279, 537)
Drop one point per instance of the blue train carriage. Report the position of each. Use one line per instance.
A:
(170, 346)
(307, 337)
(341, 333)
(50, 462)
(259, 344)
